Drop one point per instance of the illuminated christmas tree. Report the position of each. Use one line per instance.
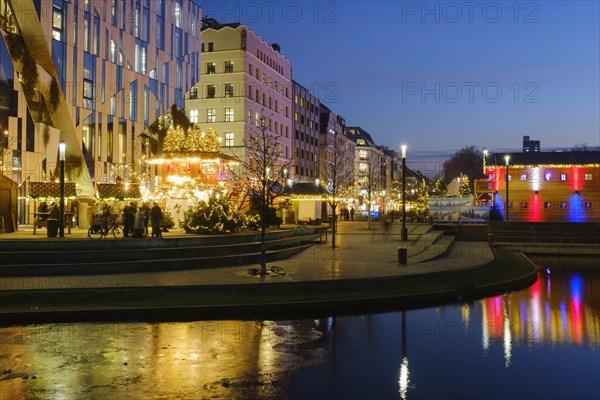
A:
(175, 140)
(194, 139)
(210, 141)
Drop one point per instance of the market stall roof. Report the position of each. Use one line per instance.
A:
(305, 189)
(120, 191)
(49, 190)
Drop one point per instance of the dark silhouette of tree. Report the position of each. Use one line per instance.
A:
(336, 172)
(467, 161)
(265, 173)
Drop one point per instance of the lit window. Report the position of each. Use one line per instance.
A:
(211, 115)
(360, 142)
(563, 177)
(588, 177)
(588, 205)
(362, 167)
(193, 116)
(510, 204)
(510, 177)
(229, 137)
(211, 68)
(229, 115)
(547, 204)
(523, 177)
(563, 205)
(547, 176)
(362, 154)
(523, 204)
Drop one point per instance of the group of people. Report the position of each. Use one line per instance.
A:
(136, 219)
(46, 211)
(348, 215)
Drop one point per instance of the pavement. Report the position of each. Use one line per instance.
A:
(361, 253)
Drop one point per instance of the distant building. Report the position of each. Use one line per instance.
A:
(306, 110)
(243, 79)
(530, 146)
(544, 186)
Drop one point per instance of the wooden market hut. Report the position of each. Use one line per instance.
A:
(49, 192)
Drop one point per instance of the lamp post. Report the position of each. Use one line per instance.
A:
(507, 159)
(61, 219)
(404, 231)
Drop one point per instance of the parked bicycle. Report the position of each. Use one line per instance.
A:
(97, 231)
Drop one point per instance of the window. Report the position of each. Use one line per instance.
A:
(509, 178)
(523, 177)
(210, 91)
(587, 177)
(362, 154)
(250, 67)
(228, 66)
(57, 23)
(229, 90)
(229, 115)
(229, 138)
(362, 167)
(563, 205)
(194, 93)
(211, 115)
(563, 177)
(257, 119)
(510, 204)
(360, 142)
(547, 176)
(211, 46)
(588, 205)
(193, 116)
(523, 204)
(211, 68)
(547, 205)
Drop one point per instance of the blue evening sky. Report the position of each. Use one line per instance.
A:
(439, 76)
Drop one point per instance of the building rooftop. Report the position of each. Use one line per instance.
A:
(545, 158)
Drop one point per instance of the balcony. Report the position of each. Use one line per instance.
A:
(484, 186)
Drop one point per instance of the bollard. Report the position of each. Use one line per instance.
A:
(402, 255)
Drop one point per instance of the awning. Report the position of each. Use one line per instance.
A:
(119, 191)
(49, 190)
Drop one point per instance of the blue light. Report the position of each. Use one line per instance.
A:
(576, 209)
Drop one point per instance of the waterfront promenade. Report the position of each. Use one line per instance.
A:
(363, 272)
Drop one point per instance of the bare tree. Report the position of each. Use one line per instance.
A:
(6, 145)
(337, 173)
(265, 172)
(369, 179)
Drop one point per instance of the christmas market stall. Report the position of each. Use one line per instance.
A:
(308, 204)
(190, 168)
(45, 195)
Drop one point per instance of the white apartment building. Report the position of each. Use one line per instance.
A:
(242, 79)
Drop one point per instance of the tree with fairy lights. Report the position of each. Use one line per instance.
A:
(464, 188)
(265, 169)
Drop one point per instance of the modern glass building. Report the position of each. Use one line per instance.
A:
(95, 74)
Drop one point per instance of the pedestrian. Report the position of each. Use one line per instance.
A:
(146, 209)
(128, 213)
(352, 213)
(105, 217)
(156, 216)
(139, 222)
(278, 217)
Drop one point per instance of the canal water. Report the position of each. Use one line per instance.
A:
(542, 342)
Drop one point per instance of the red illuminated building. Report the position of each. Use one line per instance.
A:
(543, 186)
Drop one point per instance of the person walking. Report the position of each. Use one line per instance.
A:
(156, 217)
(128, 217)
(139, 222)
(146, 209)
(352, 213)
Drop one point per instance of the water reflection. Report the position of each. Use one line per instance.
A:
(490, 348)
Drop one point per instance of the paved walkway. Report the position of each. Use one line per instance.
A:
(360, 254)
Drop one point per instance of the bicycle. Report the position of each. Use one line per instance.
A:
(97, 232)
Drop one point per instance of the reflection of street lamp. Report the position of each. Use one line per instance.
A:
(61, 220)
(404, 231)
(507, 159)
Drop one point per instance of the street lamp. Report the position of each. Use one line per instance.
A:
(404, 231)
(61, 220)
(507, 159)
